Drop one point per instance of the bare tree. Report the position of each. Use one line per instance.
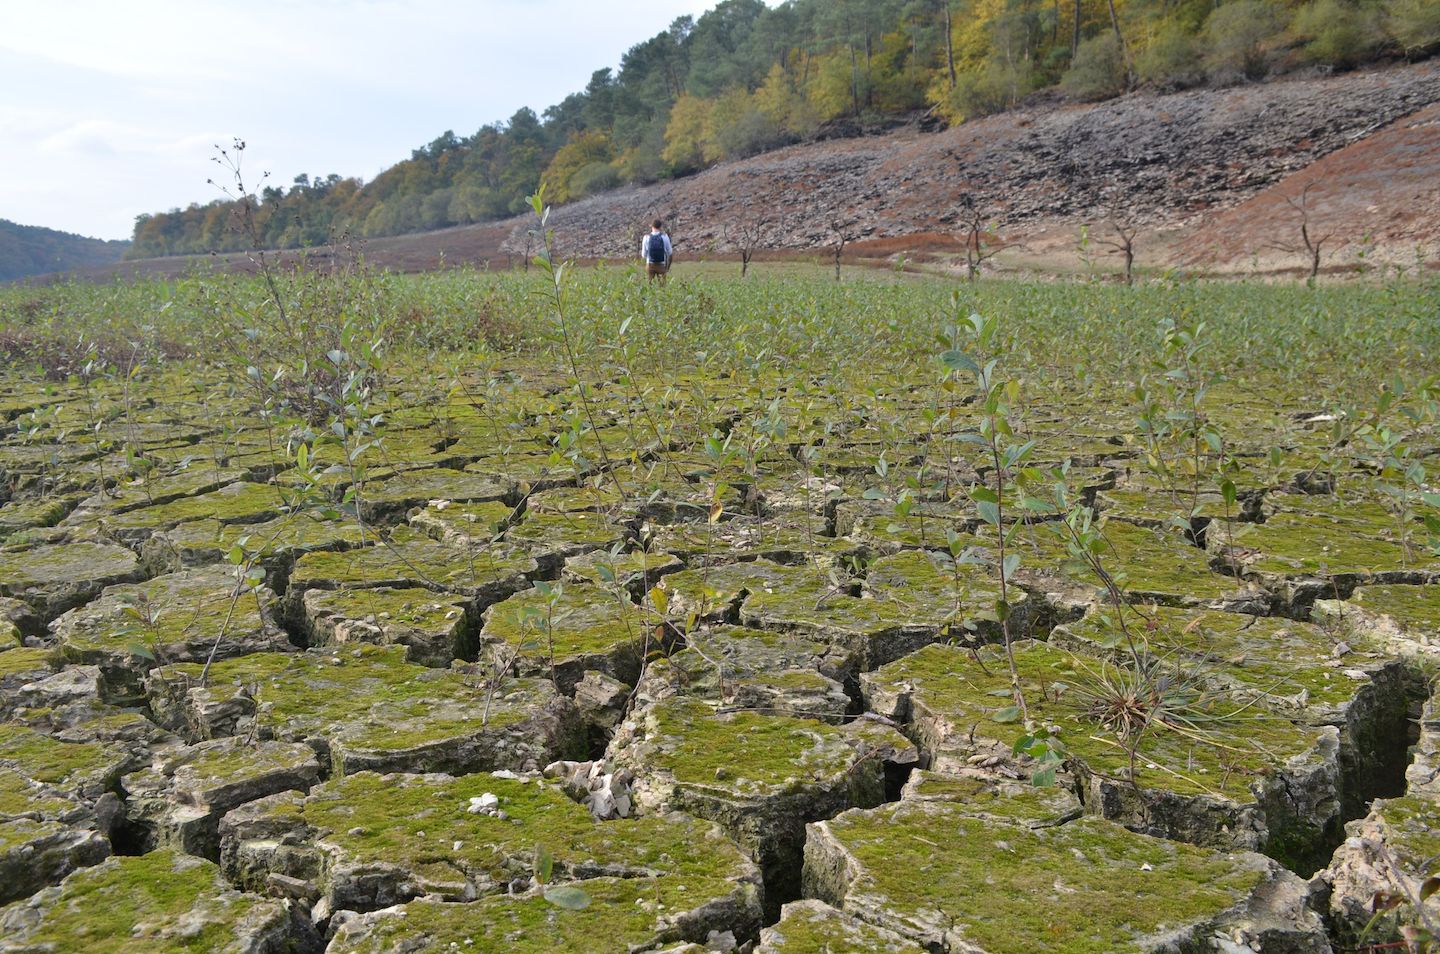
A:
(842, 237)
(980, 244)
(747, 238)
(1124, 241)
(1312, 242)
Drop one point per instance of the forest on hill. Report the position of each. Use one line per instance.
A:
(32, 250)
(744, 78)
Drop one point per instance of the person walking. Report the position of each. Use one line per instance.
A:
(656, 251)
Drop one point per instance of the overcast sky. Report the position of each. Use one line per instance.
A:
(112, 107)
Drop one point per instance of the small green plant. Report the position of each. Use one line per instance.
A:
(1000, 503)
(1404, 910)
(563, 896)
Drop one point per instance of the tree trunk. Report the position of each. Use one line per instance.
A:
(1120, 39)
(1075, 33)
(949, 46)
(869, 86)
(854, 82)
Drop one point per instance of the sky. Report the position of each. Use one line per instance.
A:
(113, 109)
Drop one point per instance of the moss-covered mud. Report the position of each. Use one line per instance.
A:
(941, 876)
(748, 686)
(1233, 775)
(368, 842)
(366, 707)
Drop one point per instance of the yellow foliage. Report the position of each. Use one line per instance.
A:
(691, 126)
(830, 90)
(583, 149)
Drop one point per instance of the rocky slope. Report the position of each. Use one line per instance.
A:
(1204, 174)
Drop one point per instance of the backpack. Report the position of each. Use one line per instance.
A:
(655, 249)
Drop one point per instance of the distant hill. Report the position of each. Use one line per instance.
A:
(1212, 178)
(751, 76)
(32, 250)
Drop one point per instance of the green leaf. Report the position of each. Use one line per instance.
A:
(1007, 715)
(138, 649)
(1043, 777)
(544, 864)
(567, 897)
(989, 512)
(957, 360)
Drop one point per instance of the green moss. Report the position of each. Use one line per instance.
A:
(175, 617)
(526, 468)
(744, 539)
(786, 662)
(234, 503)
(1150, 563)
(210, 541)
(437, 628)
(21, 795)
(712, 592)
(810, 928)
(26, 662)
(157, 903)
(200, 479)
(628, 913)
(67, 764)
(415, 822)
(1278, 661)
(747, 753)
(565, 532)
(1087, 887)
(606, 569)
(1363, 515)
(24, 514)
(1412, 830)
(1156, 508)
(987, 797)
(586, 621)
(805, 600)
(86, 563)
(932, 587)
(19, 832)
(366, 699)
(412, 607)
(925, 526)
(965, 689)
(222, 762)
(412, 559)
(1303, 545)
(469, 524)
(417, 486)
(1416, 609)
(574, 500)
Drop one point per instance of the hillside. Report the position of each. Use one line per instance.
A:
(747, 77)
(31, 250)
(1166, 163)
(1203, 174)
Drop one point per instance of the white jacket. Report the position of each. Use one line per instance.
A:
(646, 241)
